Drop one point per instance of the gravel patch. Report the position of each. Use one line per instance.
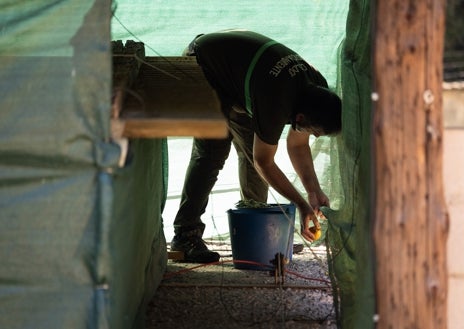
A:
(221, 296)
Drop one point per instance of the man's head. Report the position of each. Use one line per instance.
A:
(319, 112)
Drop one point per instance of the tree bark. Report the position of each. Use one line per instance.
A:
(410, 216)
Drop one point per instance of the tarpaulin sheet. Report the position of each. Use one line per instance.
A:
(81, 241)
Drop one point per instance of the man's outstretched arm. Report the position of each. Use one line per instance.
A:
(300, 155)
(263, 158)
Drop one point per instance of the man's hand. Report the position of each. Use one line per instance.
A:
(306, 216)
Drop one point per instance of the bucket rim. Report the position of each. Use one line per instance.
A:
(273, 207)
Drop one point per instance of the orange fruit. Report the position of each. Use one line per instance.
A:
(316, 231)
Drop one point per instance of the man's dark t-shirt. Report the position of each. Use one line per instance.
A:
(276, 79)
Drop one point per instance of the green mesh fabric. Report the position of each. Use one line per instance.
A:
(312, 28)
(350, 248)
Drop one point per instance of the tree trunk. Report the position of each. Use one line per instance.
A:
(410, 216)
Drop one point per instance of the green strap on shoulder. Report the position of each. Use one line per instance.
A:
(251, 67)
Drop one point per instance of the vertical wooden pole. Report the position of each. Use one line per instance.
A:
(410, 216)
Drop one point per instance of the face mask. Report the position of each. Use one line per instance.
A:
(316, 131)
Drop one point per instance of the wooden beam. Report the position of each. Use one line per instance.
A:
(410, 216)
(163, 127)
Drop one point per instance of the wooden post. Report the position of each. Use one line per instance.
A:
(410, 216)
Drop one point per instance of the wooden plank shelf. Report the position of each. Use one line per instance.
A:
(169, 96)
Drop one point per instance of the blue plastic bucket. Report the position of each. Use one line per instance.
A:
(258, 234)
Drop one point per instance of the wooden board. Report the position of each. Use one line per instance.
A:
(176, 255)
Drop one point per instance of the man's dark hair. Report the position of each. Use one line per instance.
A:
(323, 109)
